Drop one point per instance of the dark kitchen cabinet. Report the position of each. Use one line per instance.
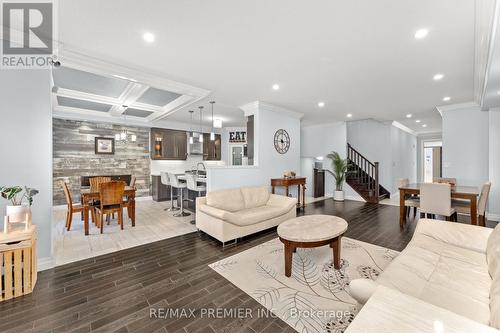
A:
(211, 149)
(168, 144)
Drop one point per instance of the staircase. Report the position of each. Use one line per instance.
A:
(362, 176)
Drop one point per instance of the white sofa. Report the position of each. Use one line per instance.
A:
(230, 214)
(450, 265)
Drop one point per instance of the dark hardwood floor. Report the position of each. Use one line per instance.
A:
(115, 292)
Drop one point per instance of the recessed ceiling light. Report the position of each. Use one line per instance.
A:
(421, 33)
(408, 115)
(446, 99)
(349, 115)
(148, 37)
(321, 104)
(276, 86)
(417, 121)
(424, 125)
(498, 92)
(437, 77)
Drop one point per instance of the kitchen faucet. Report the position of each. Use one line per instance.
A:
(198, 167)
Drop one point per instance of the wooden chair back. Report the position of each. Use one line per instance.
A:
(111, 193)
(133, 179)
(67, 193)
(483, 199)
(96, 181)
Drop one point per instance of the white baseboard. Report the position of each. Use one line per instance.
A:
(45, 263)
(493, 217)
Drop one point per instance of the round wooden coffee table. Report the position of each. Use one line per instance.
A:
(311, 231)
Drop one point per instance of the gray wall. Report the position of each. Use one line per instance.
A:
(74, 155)
(26, 144)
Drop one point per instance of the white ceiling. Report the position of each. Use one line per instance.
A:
(358, 57)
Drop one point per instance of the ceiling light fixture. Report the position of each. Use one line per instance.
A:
(123, 136)
(408, 115)
(349, 115)
(212, 133)
(217, 123)
(446, 99)
(421, 33)
(424, 125)
(191, 139)
(321, 104)
(276, 86)
(437, 77)
(498, 92)
(417, 121)
(148, 37)
(200, 138)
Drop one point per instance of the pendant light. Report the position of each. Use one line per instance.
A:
(191, 139)
(123, 136)
(212, 133)
(200, 138)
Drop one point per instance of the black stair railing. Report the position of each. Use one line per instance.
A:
(365, 172)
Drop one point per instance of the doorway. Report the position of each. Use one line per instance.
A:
(433, 160)
(237, 155)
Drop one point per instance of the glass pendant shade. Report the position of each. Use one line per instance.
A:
(212, 136)
(200, 139)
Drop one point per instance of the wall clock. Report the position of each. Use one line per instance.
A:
(281, 141)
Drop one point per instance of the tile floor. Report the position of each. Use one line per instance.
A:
(152, 224)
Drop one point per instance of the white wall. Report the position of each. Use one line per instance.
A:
(26, 144)
(494, 163)
(319, 141)
(465, 145)
(269, 163)
(404, 157)
(393, 148)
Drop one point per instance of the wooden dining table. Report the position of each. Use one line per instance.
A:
(87, 195)
(457, 192)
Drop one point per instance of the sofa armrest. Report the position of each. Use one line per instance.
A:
(465, 236)
(281, 201)
(214, 212)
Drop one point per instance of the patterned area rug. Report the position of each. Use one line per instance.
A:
(316, 297)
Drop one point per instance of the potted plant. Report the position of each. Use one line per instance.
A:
(339, 166)
(21, 200)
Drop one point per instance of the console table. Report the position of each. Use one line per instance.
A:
(287, 182)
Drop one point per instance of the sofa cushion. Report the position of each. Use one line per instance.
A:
(228, 200)
(255, 196)
(493, 252)
(495, 302)
(362, 289)
(442, 274)
(255, 215)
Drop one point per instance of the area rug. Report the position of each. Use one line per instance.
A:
(316, 297)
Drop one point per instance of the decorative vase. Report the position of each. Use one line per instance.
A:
(17, 214)
(338, 195)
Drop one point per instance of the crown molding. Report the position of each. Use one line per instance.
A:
(403, 128)
(459, 106)
(253, 107)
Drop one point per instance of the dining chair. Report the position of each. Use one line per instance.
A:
(133, 179)
(463, 206)
(111, 201)
(96, 181)
(435, 199)
(73, 208)
(411, 202)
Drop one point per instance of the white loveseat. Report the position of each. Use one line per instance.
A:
(230, 214)
(450, 265)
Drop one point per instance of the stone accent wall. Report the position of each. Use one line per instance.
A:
(74, 156)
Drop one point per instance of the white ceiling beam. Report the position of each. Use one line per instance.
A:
(172, 107)
(131, 94)
(87, 97)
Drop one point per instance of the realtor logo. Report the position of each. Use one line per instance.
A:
(27, 34)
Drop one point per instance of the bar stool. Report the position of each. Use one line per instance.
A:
(192, 185)
(165, 180)
(180, 186)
